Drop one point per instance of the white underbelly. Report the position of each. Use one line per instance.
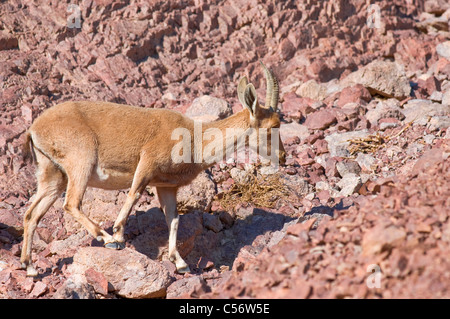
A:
(110, 179)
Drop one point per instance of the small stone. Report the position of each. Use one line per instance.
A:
(346, 167)
(354, 94)
(349, 184)
(338, 142)
(443, 49)
(313, 90)
(212, 222)
(39, 289)
(320, 120)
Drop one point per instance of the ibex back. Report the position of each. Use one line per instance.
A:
(112, 146)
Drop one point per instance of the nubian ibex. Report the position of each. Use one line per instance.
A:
(112, 146)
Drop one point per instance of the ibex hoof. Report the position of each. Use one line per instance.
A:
(183, 270)
(115, 245)
(31, 271)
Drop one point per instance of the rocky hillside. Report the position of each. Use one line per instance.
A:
(363, 204)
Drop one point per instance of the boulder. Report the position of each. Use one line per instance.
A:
(207, 108)
(385, 78)
(130, 273)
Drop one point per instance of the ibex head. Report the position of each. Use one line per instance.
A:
(263, 117)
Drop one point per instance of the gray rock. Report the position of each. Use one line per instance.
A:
(297, 184)
(429, 138)
(131, 274)
(212, 222)
(75, 287)
(446, 97)
(385, 109)
(443, 49)
(366, 162)
(349, 184)
(382, 77)
(338, 142)
(419, 111)
(293, 129)
(436, 96)
(439, 123)
(239, 175)
(313, 90)
(207, 108)
(346, 167)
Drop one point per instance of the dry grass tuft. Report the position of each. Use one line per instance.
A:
(371, 143)
(257, 189)
(368, 144)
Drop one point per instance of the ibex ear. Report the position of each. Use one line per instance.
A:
(241, 89)
(251, 99)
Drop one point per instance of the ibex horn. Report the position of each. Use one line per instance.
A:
(272, 88)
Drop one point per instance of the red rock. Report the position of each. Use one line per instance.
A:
(354, 94)
(428, 159)
(381, 238)
(330, 167)
(187, 287)
(9, 217)
(442, 68)
(28, 284)
(306, 157)
(320, 147)
(349, 125)
(296, 107)
(39, 289)
(320, 120)
(427, 87)
(324, 195)
(287, 50)
(312, 138)
(301, 290)
(97, 280)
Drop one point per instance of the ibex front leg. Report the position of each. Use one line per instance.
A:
(168, 199)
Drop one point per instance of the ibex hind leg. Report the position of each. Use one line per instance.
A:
(78, 176)
(50, 184)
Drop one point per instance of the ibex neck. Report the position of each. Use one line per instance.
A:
(219, 138)
(238, 120)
